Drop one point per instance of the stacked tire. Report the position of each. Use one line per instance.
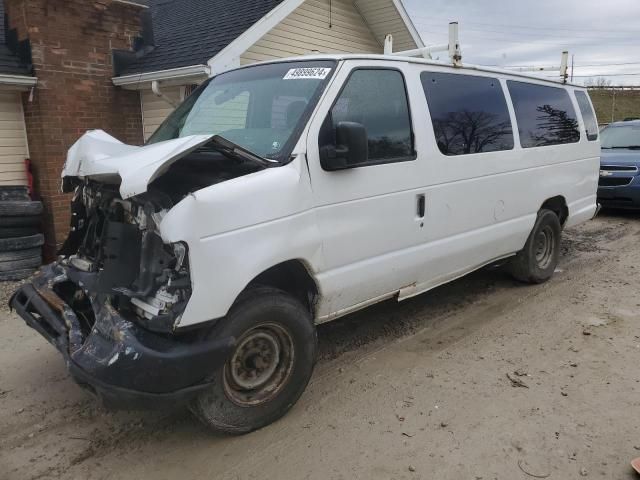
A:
(20, 238)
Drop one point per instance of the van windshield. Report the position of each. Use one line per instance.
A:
(627, 136)
(262, 108)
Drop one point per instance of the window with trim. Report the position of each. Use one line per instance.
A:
(588, 117)
(545, 114)
(469, 113)
(376, 99)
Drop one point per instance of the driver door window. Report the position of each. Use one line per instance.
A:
(376, 99)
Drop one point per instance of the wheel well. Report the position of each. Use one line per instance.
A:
(557, 205)
(293, 277)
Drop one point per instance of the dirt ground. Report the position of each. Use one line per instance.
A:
(419, 389)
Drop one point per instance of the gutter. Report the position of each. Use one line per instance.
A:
(132, 3)
(171, 74)
(19, 81)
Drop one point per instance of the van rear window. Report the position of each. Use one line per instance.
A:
(588, 117)
(469, 113)
(545, 115)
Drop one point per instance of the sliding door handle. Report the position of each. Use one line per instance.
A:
(421, 205)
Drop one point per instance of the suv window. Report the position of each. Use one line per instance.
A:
(469, 113)
(544, 114)
(588, 117)
(377, 99)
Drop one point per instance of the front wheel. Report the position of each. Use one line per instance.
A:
(269, 367)
(537, 261)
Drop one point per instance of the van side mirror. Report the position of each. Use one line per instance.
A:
(351, 149)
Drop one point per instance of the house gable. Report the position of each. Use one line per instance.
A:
(314, 26)
(389, 17)
(292, 28)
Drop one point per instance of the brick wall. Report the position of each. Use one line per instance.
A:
(71, 44)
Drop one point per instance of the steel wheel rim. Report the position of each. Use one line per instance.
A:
(260, 366)
(545, 247)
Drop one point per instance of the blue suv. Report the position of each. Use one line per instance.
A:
(619, 185)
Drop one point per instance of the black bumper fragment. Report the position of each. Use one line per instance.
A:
(125, 365)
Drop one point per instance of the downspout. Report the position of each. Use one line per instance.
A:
(155, 88)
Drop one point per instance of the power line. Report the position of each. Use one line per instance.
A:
(601, 75)
(607, 64)
(555, 28)
(506, 38)
(609, 75)
(577, 66)
(537, 34)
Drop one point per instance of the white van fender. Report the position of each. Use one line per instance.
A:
(238, 229)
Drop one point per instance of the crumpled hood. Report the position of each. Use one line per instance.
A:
(99, 156)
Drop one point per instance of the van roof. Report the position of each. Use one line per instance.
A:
(423, 61)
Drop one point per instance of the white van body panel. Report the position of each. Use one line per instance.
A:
(237, 229)
(357, 231)
(479, 207)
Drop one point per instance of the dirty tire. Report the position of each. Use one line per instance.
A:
(25, 221)
(537, 261)
(12, 256)
(17, 208)
(16, 274)
(230, 408)
(8, 192)
(21, 243)
(12, 232)
(22, 264)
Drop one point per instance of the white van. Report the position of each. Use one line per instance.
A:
(286, 194)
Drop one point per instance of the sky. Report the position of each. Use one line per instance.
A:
(603, 35)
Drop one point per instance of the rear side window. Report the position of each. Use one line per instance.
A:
(545, 115)
(377, 99)
(588, 117)
(469, 113)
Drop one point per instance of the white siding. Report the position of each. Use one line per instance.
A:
(383, 18)
(156, 109)
(307, 29)
(13, 140)
(356, 27)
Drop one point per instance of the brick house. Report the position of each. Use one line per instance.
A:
(67, 66)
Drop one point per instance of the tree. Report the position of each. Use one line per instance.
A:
(599, 82)
(555, 126)
(472, 132)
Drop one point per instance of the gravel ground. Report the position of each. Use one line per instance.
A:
(480, 379)
(6, 290)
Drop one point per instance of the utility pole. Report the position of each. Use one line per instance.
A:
(613, 106)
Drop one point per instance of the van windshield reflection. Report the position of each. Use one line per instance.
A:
(262, 108)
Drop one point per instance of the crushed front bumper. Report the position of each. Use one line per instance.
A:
(125, 365)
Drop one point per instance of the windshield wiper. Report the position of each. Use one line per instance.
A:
(233, 150)
(624, 147)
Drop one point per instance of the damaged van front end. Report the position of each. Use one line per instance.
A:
(157, 295)
(112, 301)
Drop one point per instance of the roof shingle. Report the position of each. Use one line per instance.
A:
(190, 32)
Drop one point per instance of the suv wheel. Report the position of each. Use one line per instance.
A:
(269, 368)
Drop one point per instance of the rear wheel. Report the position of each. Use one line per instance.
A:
(537, 261)
(269, 367)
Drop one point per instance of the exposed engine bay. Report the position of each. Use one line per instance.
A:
(115, 249)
